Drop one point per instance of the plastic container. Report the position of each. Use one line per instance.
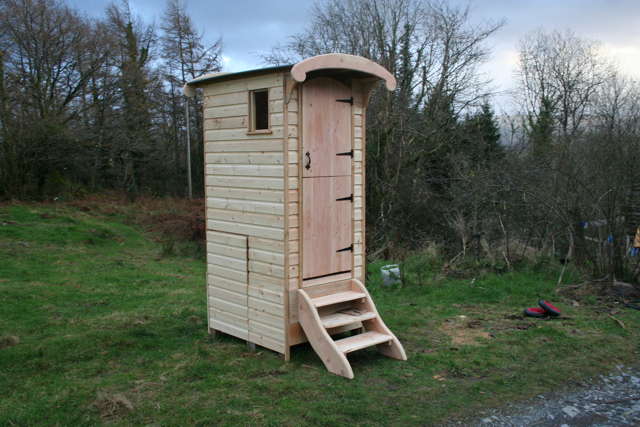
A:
(390, 275)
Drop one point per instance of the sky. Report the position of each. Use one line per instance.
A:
(251, 27)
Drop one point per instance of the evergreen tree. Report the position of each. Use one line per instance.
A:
(480, 136)
(134, 46)
(488, 133)
(541, 129)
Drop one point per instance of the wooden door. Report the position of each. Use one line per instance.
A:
(326, 128)
(326, 184)
(327, 232)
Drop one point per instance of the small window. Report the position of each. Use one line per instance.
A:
(259, 120)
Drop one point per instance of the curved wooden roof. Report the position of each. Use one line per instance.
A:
(342, 61)
(299, 71)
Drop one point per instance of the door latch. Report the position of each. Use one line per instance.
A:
(346, 100)
(346, 153)
(350, 198)
(348, 248)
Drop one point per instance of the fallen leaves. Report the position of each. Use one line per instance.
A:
(439, 377)
(112, 406)
(9, 341)
(618, 321)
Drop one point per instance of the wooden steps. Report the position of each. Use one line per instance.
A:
(336, 307)
(360, 341)
(345, 317)
(337, 298)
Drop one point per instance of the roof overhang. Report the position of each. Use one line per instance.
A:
(300, 71)
(190, 86)
(342, 61)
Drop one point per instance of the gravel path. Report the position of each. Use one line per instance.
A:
(611, 400)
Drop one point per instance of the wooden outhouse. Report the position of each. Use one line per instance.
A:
(284, 164)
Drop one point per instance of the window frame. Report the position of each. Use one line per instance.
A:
(252, 114)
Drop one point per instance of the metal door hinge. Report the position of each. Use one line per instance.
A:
(346, 100)
(350, 198)
(348, 248)
(346, 153)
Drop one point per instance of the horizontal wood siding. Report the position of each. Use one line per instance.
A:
(358, 189)
(293, 207)
(245, 185)
(266, 293)
(227, 283)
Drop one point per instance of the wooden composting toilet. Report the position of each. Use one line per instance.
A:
(284, 162)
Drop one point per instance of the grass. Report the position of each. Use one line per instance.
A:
(99, 325)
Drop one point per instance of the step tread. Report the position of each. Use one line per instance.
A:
(360, 341)
(336, 298)
(345, 317)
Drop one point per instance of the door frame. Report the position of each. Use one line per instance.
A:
(333, 277)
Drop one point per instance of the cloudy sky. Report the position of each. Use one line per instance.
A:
(249, 27)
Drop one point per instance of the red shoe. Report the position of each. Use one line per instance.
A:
(535, 312)
(549, 308)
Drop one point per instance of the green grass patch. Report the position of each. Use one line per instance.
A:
(99, 325)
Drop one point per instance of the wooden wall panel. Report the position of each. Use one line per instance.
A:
(274, 221)
(241, 134)
(266, 303)
(227, 273)
(264, 183)
(246, 206)
(261, 281)
(266, 245)
(212, 90)
(245, 194)
(263, 146)
(247, 229)
(258, 292)
(358, 120)
(243, 159)
(229, 323)
(246, 170)
(228, 262)
(274, 258)
(293, 210)
(233, 98)
(227, 283)
(245, 200)
(241, 110)
(226, 123)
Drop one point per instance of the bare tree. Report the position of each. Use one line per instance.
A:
(186, 57)
(429, 46)
(563, 71)
(434, 51)
(578, 187)
(49, 54)
(87, 103)
(183, 50)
